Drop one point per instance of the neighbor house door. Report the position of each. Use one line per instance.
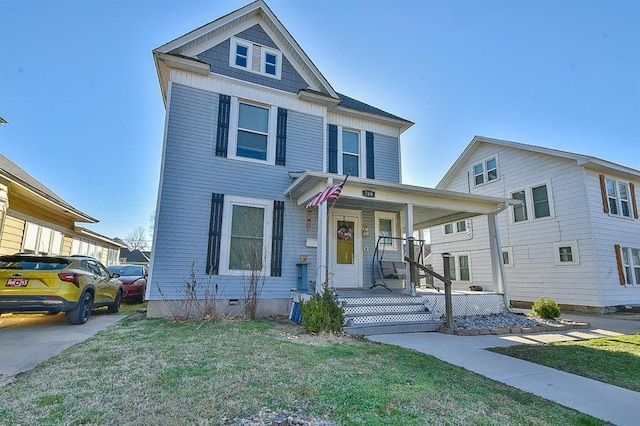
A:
(345, 249)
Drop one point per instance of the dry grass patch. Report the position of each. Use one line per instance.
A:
(155, 372)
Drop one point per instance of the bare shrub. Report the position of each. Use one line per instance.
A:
(190, 306)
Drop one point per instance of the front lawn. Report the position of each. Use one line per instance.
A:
(612, 360)
(152, 372)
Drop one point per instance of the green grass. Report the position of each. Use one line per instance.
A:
(612, 360)
(131, 308)
(154, 372)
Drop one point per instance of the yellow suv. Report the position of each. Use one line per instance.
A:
(72, 284)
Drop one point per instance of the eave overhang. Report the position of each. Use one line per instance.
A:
(431, 207)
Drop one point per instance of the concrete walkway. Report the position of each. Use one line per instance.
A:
(606, 402)
(28, 340)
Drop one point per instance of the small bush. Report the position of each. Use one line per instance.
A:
(546, 308)
(322, 313)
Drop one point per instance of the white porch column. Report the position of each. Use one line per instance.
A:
(497, 264)
(321, 250)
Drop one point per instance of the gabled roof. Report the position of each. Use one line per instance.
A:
(134, 256)
(581, 159)
(256, 9)
(10, 171)
(180, 53)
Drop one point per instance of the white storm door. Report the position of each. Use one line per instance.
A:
(345, 249)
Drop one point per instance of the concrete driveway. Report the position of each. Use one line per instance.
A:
(27, 340)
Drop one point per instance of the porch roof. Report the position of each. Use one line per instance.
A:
(431, 207)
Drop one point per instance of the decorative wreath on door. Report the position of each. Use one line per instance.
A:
(345, 233)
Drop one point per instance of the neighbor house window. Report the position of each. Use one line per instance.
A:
(618, 198)
(485, 171)
(255, 58)
(459, 267)
(631, 264)
(350, 153)
(39, 239)
(566, 253)
(507, 256)
(455, 227)
(246, 235)
(386, 230)
(535, 203)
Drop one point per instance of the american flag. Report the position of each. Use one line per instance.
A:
(331, 193)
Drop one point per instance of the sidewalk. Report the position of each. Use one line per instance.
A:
(606, 402)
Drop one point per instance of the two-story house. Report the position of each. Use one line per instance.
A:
(253, 132)
(575, 236)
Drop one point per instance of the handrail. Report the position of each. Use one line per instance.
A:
(428, 271)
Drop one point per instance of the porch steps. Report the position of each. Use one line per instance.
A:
(386, 314)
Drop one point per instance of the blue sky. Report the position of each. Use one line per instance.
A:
(80, 91)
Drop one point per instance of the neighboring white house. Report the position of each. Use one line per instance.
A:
(575, 237)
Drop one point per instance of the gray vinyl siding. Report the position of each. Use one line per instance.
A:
(535, 272)
(609, 230)
(218, 58)
(386, 161)
(192, 173)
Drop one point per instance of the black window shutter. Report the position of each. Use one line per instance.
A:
(281, 138)
(333, 148)
(277, 238)
(222, 138)
(370, 158)
(215, 233)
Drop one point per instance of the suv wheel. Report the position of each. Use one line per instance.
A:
(80, 314)
(115, 306)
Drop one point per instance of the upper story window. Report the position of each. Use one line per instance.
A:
(350, 153)
(618, 198)
(255, 58)
(453, 228)
(535, 201)
(253, 132)
(242, 55)
(485, 171)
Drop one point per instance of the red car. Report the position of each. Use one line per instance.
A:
(134, 281)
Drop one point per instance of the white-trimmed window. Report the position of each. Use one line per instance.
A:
(460, 267)
(485, 171)
(252, 130)
(255, 58)
(39, 239)
(507, 256)
(631, 265)
(536, 203)
(455, 227)
(84, 247)
(386, 226)
(566, 253)
(618, 196)
(350, 152)
(112, 256)
(246, 235)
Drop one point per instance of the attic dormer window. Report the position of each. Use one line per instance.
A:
(242, 55)
(255, 58)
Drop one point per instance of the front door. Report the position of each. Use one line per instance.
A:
(344, 249)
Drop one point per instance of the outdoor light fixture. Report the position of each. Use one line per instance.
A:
(365, 231)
